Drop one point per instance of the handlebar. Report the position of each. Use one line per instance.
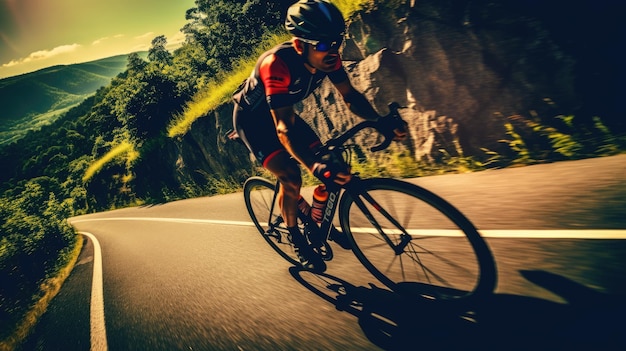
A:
(392, 119)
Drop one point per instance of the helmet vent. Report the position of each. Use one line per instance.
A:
(325, 10)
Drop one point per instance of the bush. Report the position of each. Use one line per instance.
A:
(35, 240)
(532, 141)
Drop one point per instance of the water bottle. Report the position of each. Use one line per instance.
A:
(320, 197)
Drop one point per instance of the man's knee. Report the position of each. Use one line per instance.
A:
(291, 180)
(287, 171)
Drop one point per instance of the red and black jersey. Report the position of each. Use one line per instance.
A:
(280, 79)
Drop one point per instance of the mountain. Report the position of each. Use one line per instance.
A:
(31, 100)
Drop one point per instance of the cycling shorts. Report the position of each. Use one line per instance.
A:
(258, 131)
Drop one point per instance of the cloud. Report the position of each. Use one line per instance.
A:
(43, 54)
(140, 47)
(99, 41)
(145, 36)
(144, 42)
(176, 41)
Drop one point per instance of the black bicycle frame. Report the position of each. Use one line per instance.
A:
(329, 211)
(328, 215)
(355, 191)
(354, 188)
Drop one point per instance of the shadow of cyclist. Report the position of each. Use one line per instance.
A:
(590, 320)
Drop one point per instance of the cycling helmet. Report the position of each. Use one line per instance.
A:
(315, 20)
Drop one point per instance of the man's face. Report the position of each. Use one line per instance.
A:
(320, 55)
(324, 61)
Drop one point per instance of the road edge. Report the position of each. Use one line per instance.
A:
(96, 314)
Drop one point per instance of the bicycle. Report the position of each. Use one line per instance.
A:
(410, 239)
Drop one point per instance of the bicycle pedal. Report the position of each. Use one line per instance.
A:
(325, 252)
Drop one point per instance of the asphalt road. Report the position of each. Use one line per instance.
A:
(189, 275)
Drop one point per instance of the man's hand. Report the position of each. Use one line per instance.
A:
(401, 132)
(326, 173)
(394, 128)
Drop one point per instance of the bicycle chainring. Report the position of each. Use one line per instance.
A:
(317, 243)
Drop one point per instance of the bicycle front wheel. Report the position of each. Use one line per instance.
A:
(262, 205)
(415, 242)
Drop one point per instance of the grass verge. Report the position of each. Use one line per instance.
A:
(125, 148)
(49, 288)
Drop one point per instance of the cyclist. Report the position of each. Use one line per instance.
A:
(264, 116)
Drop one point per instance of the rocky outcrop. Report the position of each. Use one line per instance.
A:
(205, 154)
(459, 67)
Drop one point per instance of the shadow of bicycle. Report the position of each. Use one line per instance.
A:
(590, 320)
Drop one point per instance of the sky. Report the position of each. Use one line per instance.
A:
(35, 34)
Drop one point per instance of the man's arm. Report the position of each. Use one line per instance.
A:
(286, 128)
(357, 103)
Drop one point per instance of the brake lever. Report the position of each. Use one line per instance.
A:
(385, 144)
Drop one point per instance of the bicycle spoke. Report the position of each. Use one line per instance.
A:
(370, 217)
(429, 245)
(261, 203)
(382, 211)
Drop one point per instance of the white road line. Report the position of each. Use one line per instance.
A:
(518, 233)
(488, 233)
(158, 219)
(556, 233)
(98, 328)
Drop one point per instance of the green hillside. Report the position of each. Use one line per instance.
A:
(34, 99)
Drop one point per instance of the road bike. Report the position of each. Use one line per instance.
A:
(409, 238)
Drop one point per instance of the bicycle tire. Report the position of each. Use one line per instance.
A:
(258, 195)
(447, 261)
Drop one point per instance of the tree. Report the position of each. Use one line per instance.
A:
(135, 62)
(158, 53)
(231, 29)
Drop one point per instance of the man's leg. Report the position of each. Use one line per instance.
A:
(288, 174)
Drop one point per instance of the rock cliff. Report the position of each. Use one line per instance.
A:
(460, 68)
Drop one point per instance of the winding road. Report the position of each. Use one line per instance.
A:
(196, 275)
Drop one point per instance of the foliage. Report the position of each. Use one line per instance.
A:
(35, 239)
(397, 163)
(218, 91)
(349, 7)
(158, 52)
(124, 149)
(218, 26)
(532, 141)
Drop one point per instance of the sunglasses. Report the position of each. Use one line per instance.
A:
(323, 45)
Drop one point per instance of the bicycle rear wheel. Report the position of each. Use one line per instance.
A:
(259, 195)
(440, 256)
